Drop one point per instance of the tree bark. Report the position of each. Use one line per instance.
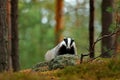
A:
(91, 29)
(3, 37)
(14, 24)
(117, 21)
(59, 20)
(106, 22)
(8, 10)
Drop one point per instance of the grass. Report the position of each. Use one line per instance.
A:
(102, 69)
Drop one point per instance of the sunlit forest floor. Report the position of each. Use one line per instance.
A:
(99, 69)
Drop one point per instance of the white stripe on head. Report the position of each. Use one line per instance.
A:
(63, 43)
(69, 42)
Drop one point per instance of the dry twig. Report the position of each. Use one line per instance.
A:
(97, 40)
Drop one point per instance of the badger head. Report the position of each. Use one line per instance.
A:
(67, 46)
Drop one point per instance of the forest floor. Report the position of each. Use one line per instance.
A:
(99, 69)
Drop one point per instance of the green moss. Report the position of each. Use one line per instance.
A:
(107, 70)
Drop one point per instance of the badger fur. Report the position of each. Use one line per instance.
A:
(67, 46)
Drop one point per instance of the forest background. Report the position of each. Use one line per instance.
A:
(37, 27)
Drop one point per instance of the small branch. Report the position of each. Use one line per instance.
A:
(101, 54)
(105, 36)
(97, 40)
(82, 56)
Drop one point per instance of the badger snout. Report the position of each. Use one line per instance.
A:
(68, 49)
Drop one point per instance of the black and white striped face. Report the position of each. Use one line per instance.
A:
(67, 46)
(68, 42)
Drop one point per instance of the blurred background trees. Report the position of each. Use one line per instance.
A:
(37, 24)
(36, 30)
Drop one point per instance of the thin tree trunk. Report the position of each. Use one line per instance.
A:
(91, 29)
(106, 22)
(14, 20)
(77, 21)
(59, 20)
(3, 37)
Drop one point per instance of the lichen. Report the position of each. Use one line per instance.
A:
(63, 61)
(59, 62)
(41, 66)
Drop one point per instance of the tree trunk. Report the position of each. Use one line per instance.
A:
(117, 36)
(106, 22)
(14, 24)
(9, 34)
(59, 20)
(3, 37)
(91, 29)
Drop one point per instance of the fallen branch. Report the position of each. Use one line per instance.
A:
(82, 56)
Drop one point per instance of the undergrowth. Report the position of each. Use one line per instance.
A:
(98, 70)
(103, 69)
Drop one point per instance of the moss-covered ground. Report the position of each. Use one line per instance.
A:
(102, 69)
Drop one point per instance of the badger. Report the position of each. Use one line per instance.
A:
(66, 46)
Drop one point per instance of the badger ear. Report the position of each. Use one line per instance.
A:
(65, 39)
(72, 40)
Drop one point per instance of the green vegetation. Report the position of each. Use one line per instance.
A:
(35, 37)
(100, 69)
